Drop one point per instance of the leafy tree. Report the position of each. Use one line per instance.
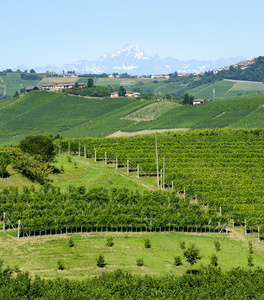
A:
(217, 245)
(110, 241)
(39, 145)
(32, 71)
(147, 243)
(121, 91)
(90, 83)
(140, 262)
(192, 254)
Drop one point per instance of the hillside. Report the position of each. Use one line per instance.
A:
(72, 116)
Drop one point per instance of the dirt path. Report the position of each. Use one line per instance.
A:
(230, 89)
(120, 133)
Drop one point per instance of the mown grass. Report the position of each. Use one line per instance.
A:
(39, 255)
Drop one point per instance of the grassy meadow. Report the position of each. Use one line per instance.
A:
(39, 255)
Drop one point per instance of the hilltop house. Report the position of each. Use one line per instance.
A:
(60, 87)
(198, 101)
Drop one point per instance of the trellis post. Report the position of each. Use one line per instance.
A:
(157, 160)
(18, 232)
(4, 222)
(79, 149)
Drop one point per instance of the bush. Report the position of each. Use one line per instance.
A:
(109, 241)
(140, 262)
(71, 243)
(217, 246)
(250, 248)
(214, 260)
(100, 261)
(250, 260)
(147, 243)
(177, 260)
(60, 265)
(182, 245)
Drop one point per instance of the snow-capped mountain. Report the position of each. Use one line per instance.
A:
(133, 60)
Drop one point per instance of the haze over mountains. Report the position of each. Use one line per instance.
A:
(133, 60)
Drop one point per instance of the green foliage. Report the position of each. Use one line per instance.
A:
(182, 245)
(121, 91)
(100, 261)
(69, 159)
(250, 260)
(140, 262)
(60, 265)
(90, 83)
(214, 260)
(110, 241)
(192, 254)
(71, 242)
(177, 260)
(29, 76)
(250, 247)
(147, 243)
(4, 162)
(40, 146)
(217, 245)
(33, 168)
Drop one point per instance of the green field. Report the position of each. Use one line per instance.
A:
(39, 255)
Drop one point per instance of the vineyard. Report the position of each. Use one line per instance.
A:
(50, 211)
(221, 169)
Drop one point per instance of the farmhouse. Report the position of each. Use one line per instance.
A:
(114, 95)
(60, 87)
(31, 88)
(198, 101)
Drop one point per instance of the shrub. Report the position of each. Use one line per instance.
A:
(214, 260)
(217, 245)
(182, 245)
(177, 260)
(147, 243)
(70, 242)
(60, 265)
(250, 248)
(109, 241)
(100, 261)
(250, 260)
(140, 262)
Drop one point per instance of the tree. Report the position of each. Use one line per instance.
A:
(186, 99)
(4, 162)
(121, 91)
(39, 145)
(192, 254)
(32, 71)
(90, 83)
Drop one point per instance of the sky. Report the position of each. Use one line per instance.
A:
(54, 32)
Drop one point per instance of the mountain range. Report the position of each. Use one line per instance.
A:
(133, 60)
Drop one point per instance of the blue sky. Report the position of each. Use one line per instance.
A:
(41, 32)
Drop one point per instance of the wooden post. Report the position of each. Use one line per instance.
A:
(116, 162)
(163, 183)
(84, 152)
(127, 166)
(4, 222)
(258, 235)
(245, 227)
(95, 159)
(157, 160)
(161, 180)
(138, 171)
(18, 232)
(79, 149)
(220, 211)
(105, 158)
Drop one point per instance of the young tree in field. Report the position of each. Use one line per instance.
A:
(192, 254)
(90, 83)
(39, 145)
(121, 91)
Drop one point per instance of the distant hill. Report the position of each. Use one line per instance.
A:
(72, 116)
